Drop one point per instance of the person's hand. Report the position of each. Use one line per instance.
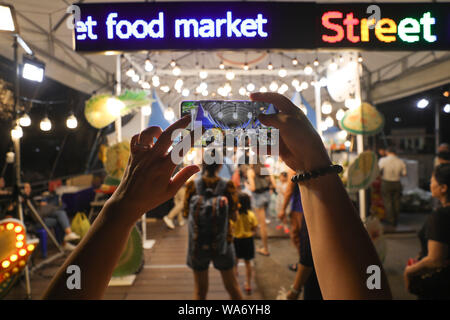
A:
(282, 214)
(301, 147)
(291, 295)
(407, 278)
(147, 181)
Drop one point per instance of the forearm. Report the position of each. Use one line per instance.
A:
(302, 276)
(423, 266)
(341, 247)
(96, 256)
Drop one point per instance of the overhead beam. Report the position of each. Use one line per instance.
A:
(415, 80)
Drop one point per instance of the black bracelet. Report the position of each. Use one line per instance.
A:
(307, 175)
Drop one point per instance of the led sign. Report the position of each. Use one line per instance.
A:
(260, 25)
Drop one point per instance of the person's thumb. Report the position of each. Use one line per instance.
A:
(270, 120)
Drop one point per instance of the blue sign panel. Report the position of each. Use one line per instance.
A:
(260, 25)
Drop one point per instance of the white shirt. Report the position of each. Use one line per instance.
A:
(392, 168)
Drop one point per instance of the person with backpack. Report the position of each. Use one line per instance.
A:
(210, 203)
(244, 229)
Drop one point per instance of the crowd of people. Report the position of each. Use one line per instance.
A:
(226, 204)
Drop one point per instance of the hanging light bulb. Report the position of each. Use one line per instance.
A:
(176, 71)
(169, 114)
(114, 107)
(282, 72)
(250, 87)
(273, 86)
(304, 85)
(203, 74)
(155, 81)
(178, 84)
(342, 134)
(203, 86)
(135, 78)
(270, 66)
(130, 72)
(146, 110)
(221, 65)
(283, 88)
(220, 114)
(165, 89)
(148, 65)
(17, 132)
(329, 121)
(263, 89)
(340, 114)
(295, 83)
(323, 82)
(294, 61)
(25, 120)
(327, 107)
(185, 92)
(347, 144)
(242, 91)
(360, 58)
(341, 58)
(352, 103)
(46, 124)
(205, 93)
(173, 63)
(145, 85)
(333, 65)
(72, 122)
(246, 66)
(316, 62)
(308, 70)
(230, 75)
(323, 127)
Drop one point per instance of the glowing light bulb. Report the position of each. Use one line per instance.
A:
(327, 107)
(72, 122)
(205, 93)
(17, 132)
(114, 106)
(30, 247)
(304, 85)
(295, 83)
(340, 114)
(230, 75)
(22, 252)
(283, 88)
(135, 78)
(146, 110)
(130, 73)
(447, 108)
(316, 62)
(273, 86)
(323, 126)
(155, 81)
(145, 85)
(250, 87)
(176, 71)
(148, 66)
(203, 74)
(352, 103)
(263, 89)
(347, 144)
(333, 65)
(25, 121)
(13, 258)
(246, 67)
(308, 70)
(342, 134)
(9, 226)
(242, 91)
(173, 63)
(185, 92)
(20, 237)
(329, 121)
(423, 103)
(221, 66)
(294, 61)
(270, 66)
(282, 73)
(5, 264)
(46, 124)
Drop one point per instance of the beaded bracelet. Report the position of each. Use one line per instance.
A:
(307, 175)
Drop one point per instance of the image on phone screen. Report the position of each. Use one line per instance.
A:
(224, 115)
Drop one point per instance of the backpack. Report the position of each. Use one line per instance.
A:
(208, 219)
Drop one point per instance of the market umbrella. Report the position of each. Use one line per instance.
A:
(364, 119)
(362, 172)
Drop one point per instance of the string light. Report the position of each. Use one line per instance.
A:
(340, 114)
(316, 62)
(230, 75)
(46, 124)
(263, 89)
(333, 65)
(130, 72)
(282, 72)
(185, 92)
(169, 114)
(148, 65)
(72, 122)
(17, 132)
(203, 74)
(113, 105)
(221, 65)
(146, 110)
(176, 71)
(242, 91)
(273, 86)
(270, 66)
(250, 87)
(25, 120)
(246, 67)
(326, 107)
(173, 63)
(155, 81)
(294, 61)
(308, 70)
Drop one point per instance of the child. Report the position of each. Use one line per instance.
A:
(244, 229)
(281, 190)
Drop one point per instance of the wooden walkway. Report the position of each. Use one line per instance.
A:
(164, 276)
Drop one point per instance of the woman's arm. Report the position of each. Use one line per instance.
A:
(287, 196)
(146, 183)
(436, 258)
(342, 250)
(251, 179)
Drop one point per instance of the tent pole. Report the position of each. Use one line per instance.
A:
(317, 105)
(118, 123)
(360, 143)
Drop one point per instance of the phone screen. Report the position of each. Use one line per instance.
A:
(226, 114)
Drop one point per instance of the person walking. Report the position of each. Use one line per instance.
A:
(392, 168)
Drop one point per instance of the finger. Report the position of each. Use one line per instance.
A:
(188, 139)
(146, 137)
(279, 101)
(165, 140)
(134, 143)
(272, 120)
(181, 177)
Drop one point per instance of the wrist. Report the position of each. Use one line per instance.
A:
(119, 210)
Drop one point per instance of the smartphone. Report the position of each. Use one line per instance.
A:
(226, 114)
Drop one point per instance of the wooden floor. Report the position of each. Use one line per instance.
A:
(164, 276)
